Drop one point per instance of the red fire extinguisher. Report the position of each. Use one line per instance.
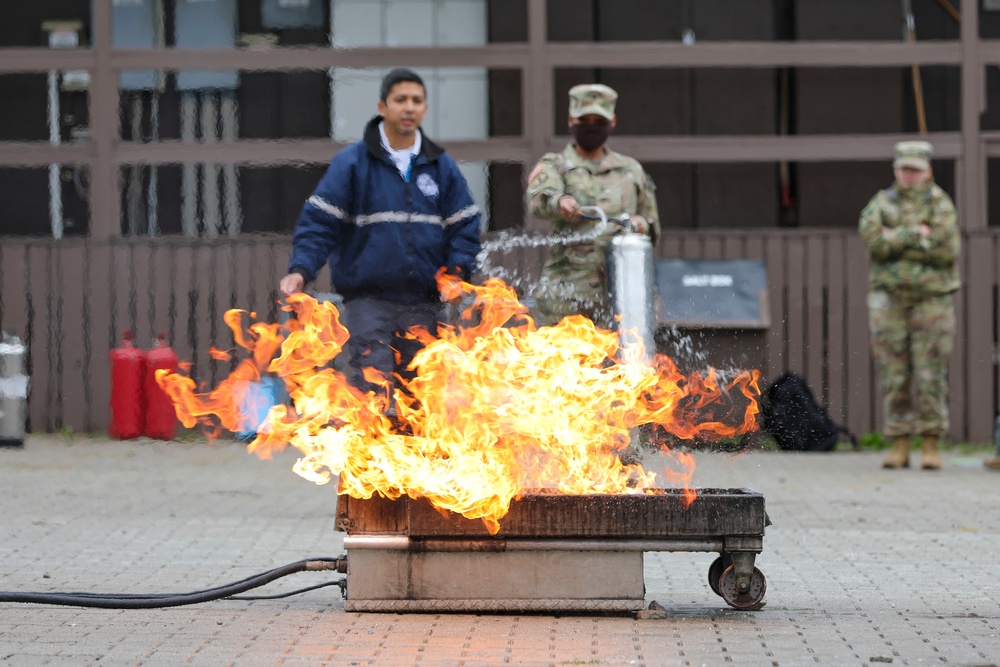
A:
(161, 419)
(128, 364)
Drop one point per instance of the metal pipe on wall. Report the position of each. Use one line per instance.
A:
(209, 170)
(232, 216)
(152, 197)
(189, 170)
(55, 185)
(134, 192)
(209, 115)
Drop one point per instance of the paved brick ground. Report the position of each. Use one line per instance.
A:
(864, 567)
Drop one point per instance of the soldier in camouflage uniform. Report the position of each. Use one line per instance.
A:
(912, 235)
(586, 173)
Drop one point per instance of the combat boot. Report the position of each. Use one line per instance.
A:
(930, 459)
(899, 457)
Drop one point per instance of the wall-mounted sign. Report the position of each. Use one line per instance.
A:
(724, 294)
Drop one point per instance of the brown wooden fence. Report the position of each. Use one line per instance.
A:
(71, 299)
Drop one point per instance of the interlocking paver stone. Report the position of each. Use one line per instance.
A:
(864, 567)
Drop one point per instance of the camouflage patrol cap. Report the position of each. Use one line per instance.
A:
(591, 98)
(913, 154)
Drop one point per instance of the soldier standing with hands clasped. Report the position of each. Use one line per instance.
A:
(911, 232)
(586, 173)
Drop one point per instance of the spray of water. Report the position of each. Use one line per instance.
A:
(506, 241)
(680, 346)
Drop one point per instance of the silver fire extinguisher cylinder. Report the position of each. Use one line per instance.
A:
(13, 391)
(632, 288)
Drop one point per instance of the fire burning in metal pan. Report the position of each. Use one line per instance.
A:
(499, 407)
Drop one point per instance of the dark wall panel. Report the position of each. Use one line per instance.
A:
(737, 195)
(650, 101)
(168, 199)
(274, 196)
(834, 101)
(993, 185)
(22, 21)
(674, 194)
(848, 19)
(838, 101)
(989, 22)
(832, 194)
(507, 23)
(505, 103)
(640, 20)
(570, 20)
(25, 197)
(652, 20)
(942, 88)
(734, 19)
(508, 20)
(685, 102)
(991, 117)
(933, 21)
(729, 101)
(24, 107)
(506, 203)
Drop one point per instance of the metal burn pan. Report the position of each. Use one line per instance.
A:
(406, 555)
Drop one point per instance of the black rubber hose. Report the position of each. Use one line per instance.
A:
(278, 596)
(159, 600)
(310, 564)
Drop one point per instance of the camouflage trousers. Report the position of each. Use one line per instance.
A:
(573, 293)
(911, 342)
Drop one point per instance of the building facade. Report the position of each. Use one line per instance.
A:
(154, 155)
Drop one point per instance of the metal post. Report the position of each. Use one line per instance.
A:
(55, 185)
(538, 100)
(189, 170)
(105, 212)
(972, 198)
(134, 194)
(210, 170)
(152, 198)
(232, 216)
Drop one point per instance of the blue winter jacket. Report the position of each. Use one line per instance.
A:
(386, 237)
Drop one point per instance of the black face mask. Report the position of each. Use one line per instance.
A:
(592, 136)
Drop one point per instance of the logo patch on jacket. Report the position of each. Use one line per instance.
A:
(428, 186)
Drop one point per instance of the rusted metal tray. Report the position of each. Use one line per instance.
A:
(395, 542)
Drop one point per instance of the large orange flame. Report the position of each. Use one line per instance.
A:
(499, 407)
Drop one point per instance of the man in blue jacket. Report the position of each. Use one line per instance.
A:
(390, 211)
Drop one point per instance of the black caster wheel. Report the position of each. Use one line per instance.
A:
(715, 571)
(752, 599)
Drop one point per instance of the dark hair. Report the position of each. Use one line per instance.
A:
(398, 75)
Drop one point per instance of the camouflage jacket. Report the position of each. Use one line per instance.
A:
(616, 183)
(902, 260)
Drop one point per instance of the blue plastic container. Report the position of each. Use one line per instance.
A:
(258, 399)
